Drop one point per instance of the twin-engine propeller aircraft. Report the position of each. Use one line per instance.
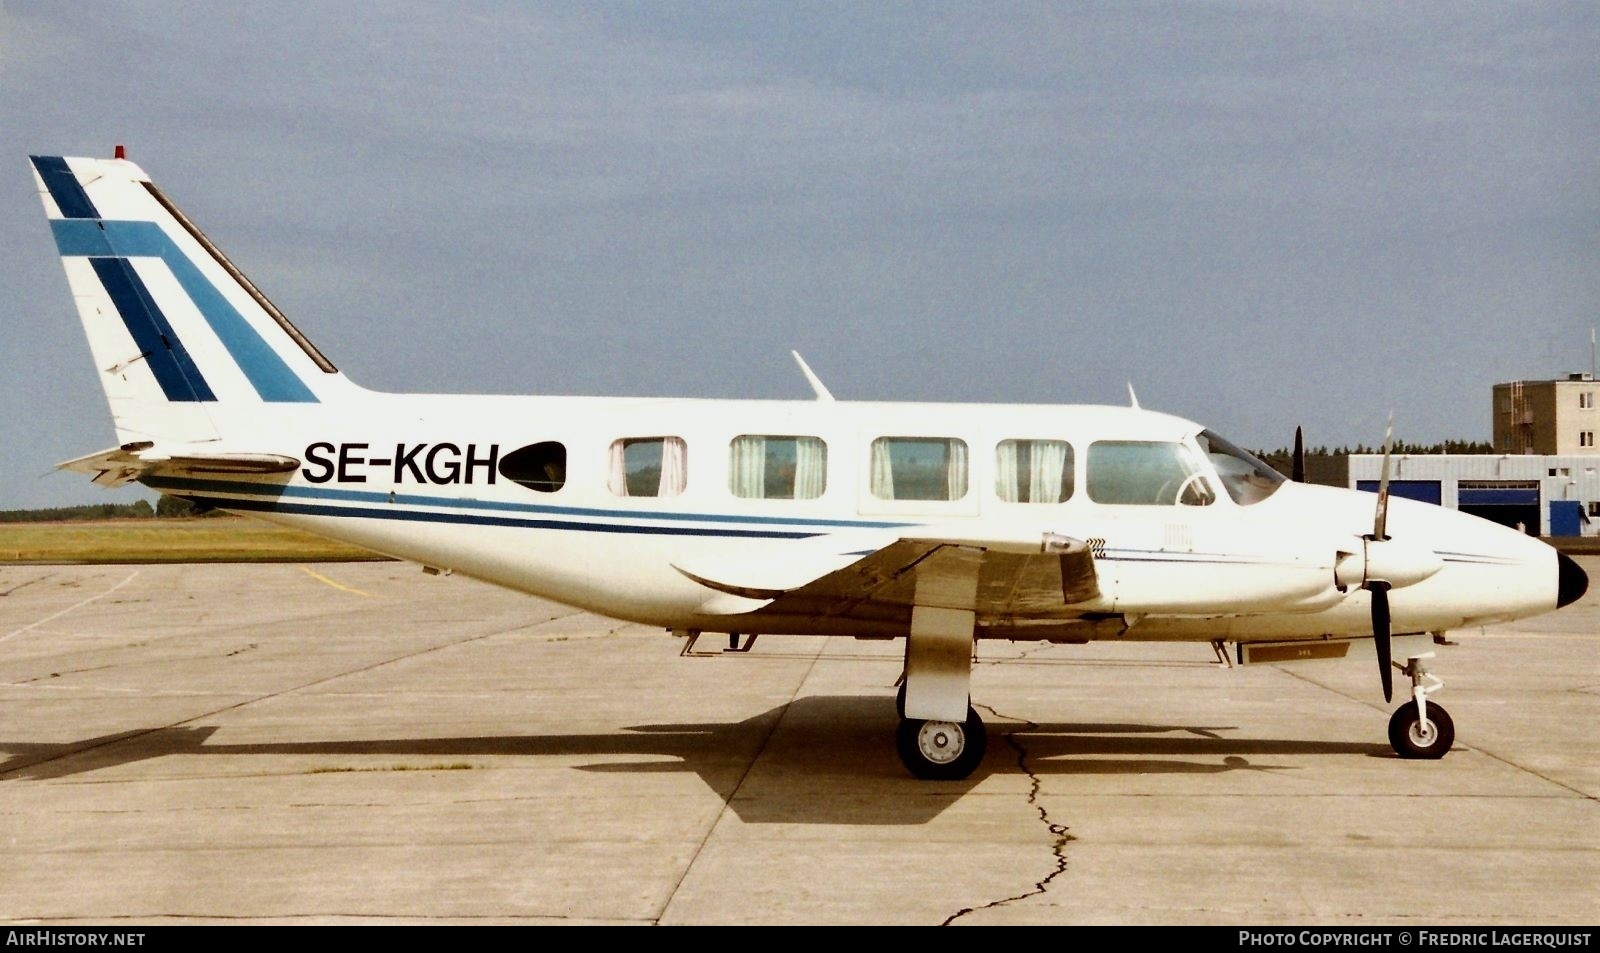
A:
(939, 524)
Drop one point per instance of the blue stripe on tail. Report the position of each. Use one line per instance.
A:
(64, 188)
(174, 369)
(262, 366)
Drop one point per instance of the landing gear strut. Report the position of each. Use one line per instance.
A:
(1418, 730)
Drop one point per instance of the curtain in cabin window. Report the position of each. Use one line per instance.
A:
(617, 470)
(955, 474)
(648, 466)
(810, 468)
(1047, 473)
(1033, 471)
(674, 466)
(918, 468)
(882, 476)
(747, 467)
(777, 467)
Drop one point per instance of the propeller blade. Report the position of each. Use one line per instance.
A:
(1380, 635)
(1381, 519)
(1299, 467)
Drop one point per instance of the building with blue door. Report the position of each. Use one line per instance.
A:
(1544, 476)
(1544, 495)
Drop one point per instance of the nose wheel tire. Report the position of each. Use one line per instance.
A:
(1414, 737)
(942, 750)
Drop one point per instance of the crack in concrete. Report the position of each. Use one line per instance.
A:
(29, 582)
(1059, 833)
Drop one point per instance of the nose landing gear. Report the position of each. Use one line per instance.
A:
(1418, 730)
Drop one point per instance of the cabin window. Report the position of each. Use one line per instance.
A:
(1033, 471)
(919, 468)
(541, 467)
(777, 468)
(1147, 473)
(649, 466)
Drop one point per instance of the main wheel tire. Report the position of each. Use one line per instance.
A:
(942, 750)
(1413, 739)
(900, 700)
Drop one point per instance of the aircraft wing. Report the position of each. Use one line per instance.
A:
(125, 464)
(1012, 578)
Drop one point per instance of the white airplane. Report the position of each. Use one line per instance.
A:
(940, 524)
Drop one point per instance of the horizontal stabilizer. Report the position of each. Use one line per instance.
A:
(123, 465)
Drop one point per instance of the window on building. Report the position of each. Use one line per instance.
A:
(1033, 471)
(1586, 400)
(649, 466)
(1146, 472)
(1586, 438)
(1594, 507)
(777, 468)
(919, 468)
(539, 466)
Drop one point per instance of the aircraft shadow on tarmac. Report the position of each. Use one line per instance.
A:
(816, 760)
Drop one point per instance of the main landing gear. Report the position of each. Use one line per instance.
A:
(1417, 729)
(939, 750)
(942, 750)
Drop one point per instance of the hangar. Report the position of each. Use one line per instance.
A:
(1544, 473)
(1544, 495)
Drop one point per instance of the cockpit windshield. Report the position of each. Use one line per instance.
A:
(1246, 478)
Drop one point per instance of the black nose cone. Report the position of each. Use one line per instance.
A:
(1572, 582)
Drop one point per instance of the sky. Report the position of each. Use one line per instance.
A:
(1259, 214)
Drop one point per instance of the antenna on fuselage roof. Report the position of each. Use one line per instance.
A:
(1133, 399)
(816, 382)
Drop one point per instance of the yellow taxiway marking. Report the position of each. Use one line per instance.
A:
(319, 576)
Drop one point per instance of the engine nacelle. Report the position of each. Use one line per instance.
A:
(1397, 563)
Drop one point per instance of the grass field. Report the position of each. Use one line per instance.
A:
(218, 539)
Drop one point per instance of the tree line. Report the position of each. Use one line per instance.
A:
(166, 507)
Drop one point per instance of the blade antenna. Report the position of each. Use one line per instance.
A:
(816, 382)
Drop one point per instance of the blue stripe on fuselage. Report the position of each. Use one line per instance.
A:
(479, 519)
(188, 485)
(174, 369)
(262, 366)
(64, 188)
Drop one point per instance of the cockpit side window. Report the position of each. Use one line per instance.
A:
(1246, 478)
(1146, 473)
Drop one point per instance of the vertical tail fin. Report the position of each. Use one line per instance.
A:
(180, 336)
